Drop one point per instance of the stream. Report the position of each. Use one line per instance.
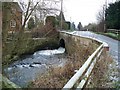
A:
(25, 70)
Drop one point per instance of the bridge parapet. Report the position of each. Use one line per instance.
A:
(84, 40)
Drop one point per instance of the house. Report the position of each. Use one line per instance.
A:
(15, 16)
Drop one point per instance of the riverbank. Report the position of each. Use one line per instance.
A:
(101, 76)
(6, 83)
(57, 77)
(32, 45)
(13, 53)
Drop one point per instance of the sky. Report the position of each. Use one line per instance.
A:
(84, 11)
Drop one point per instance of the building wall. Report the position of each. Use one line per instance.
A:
(14, 15)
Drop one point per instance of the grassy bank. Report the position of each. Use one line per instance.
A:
(13, 52)
(28, 47)
(6, 83)
(111, 35)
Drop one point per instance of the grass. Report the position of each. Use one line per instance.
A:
(111, 35)
(6, 83)
(57, 77)
(100, 75)
(117, 85)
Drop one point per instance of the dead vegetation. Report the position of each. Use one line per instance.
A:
(100, 76)
(57, 77)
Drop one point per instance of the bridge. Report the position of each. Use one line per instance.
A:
(67, 40)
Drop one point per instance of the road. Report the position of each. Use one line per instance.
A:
(114, 45)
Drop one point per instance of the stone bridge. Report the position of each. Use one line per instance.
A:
(67, 41)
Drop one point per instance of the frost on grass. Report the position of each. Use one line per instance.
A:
(102, 72)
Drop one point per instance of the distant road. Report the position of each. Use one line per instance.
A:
(114, 45)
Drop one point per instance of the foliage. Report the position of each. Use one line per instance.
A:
(26, 46)
(111, 35)
(73, 26)
(51, 20)
(80, 27)
(5, 20)
(6, 83)
(91, 27)
(117, 85)
(56, 23)
(43, 31)
(69, 25)
(113, 15)
(65, 26)
(31, 23)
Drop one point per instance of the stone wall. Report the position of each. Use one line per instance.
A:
(73, 42)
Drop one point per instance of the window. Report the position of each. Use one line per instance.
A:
(13, 23)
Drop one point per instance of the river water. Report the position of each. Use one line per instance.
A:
(25, 70)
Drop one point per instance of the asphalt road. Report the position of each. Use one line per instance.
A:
(114, 45)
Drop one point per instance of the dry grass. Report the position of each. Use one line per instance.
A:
(99, 77)
(58, 77)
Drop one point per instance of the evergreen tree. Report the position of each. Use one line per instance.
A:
(113, 15)
(73, 25)
(79, 26)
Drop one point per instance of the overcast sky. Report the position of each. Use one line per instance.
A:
(84, 11)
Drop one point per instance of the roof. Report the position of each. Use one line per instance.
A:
(18, 3)
(18, 7)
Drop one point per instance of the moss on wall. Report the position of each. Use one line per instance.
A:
(12, 53)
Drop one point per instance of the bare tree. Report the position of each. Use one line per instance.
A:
(47, 7)
(39, 10)
(100, 16)
(29, 11)
(101, 20)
